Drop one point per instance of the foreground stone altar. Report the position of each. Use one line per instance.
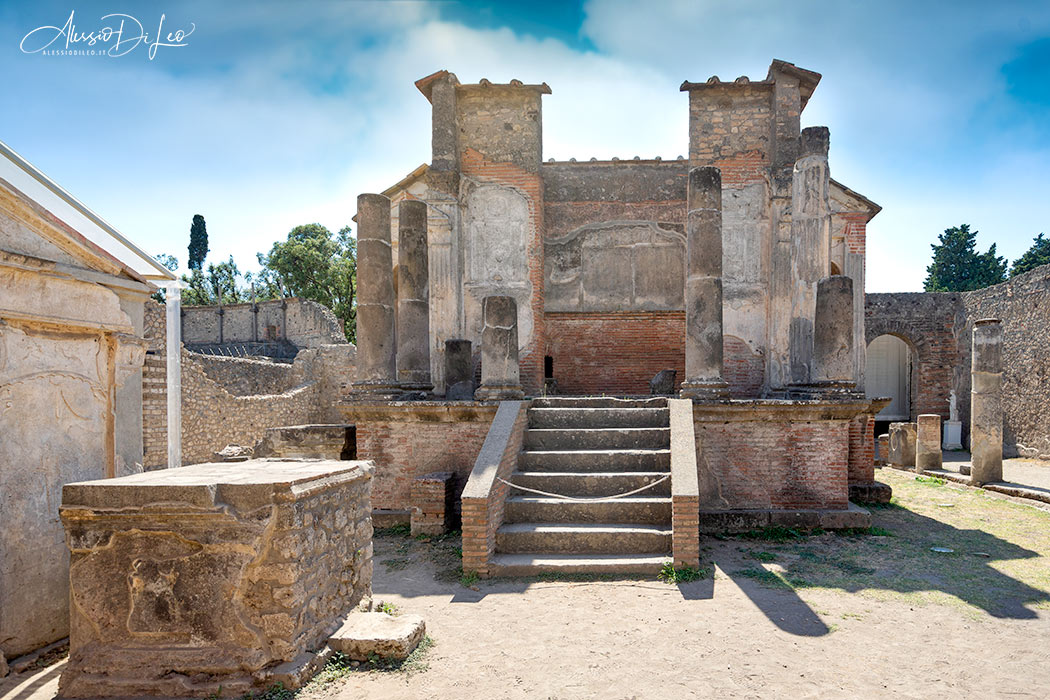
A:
(215, 575)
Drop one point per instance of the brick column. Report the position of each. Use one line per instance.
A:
(986, 402)
(928, 442)
(703, 287)
(376, 347)
(413, 298)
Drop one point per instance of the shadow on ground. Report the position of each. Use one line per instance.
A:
(772, 567)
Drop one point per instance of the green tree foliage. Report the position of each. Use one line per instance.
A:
(313, 263)
(1038, 254)
(170, 262)
(198, 243)
(219, 285)
(958, 267)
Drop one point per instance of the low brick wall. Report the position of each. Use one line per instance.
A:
(782, 462)
(484, 496)
(685, 493)
(215, 578)
(412, 438)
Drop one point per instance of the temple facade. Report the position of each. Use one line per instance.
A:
(594, 253)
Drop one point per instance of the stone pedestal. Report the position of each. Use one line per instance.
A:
(833, 336)
(413, 297)
(376, 345)
(216, 576)
(902, 445)
(952, 435)
(500, 373)
(928, 442)
(459, 370)
(703, 287)
(882, 449)
(986, 403)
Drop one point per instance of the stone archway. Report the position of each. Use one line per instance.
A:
(889, 372)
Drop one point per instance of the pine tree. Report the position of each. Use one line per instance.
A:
(958, 267)
(198, 243)
(1038, 254)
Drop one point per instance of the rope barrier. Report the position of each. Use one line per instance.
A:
(589, 500)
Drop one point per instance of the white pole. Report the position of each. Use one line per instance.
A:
(173, 298)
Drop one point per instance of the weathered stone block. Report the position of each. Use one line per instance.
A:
(385, 636)
(928, 442)
(663, 383)
(323, 441)
(216, 575)
(902, 444)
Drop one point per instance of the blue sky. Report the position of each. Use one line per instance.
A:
(280, 113)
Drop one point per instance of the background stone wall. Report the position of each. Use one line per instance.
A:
(938, 329)
(228, 400)
(304, 323)
(1023, 305)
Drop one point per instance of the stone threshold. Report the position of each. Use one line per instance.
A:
(735, 521)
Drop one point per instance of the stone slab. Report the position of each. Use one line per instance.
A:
(374, 633)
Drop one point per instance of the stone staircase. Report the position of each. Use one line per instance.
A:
(589, 447)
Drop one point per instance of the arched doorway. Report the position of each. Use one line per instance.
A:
(888, 373)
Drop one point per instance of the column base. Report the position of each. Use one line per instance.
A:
(704, 390)
(499, 392)
(376, 389)
(425, 387)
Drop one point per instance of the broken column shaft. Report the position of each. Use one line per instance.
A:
(703, 287)
(810, 246)
(500, 372)
(459, 370)
(986, 404)
(413, 298)
(376, 347)
(832, 367)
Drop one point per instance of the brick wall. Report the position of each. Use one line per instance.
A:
(614, 353)
(775, 463)
(408, 449)
(862, 450)
(930, 323)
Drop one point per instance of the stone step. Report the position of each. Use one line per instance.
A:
(598, 417)
(599, 402)
(647, 460)
(591, 484)
(633, 509)
(597, 438)
(596, 538)
(532, 564)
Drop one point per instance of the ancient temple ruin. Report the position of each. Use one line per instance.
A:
(739, 268)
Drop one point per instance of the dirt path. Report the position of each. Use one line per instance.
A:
(827, 616)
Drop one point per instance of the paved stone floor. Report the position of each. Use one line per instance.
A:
(1028, 478)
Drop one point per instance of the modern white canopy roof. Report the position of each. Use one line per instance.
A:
(71, 211)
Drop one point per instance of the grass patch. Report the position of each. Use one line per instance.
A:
(767, 578)
(399, 530)
(468, 578)
(388, 608)
(685, 574)
(931, 480)
(779, 533)
(761, 556)
(397, 563)
(873, 531)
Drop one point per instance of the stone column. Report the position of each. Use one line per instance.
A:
(500, 375)
(376, 348)
(459, 370)
(986, 407)
(928, 442)
(703, 287)
(413, 297)
(810, 246)
(833, 367)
